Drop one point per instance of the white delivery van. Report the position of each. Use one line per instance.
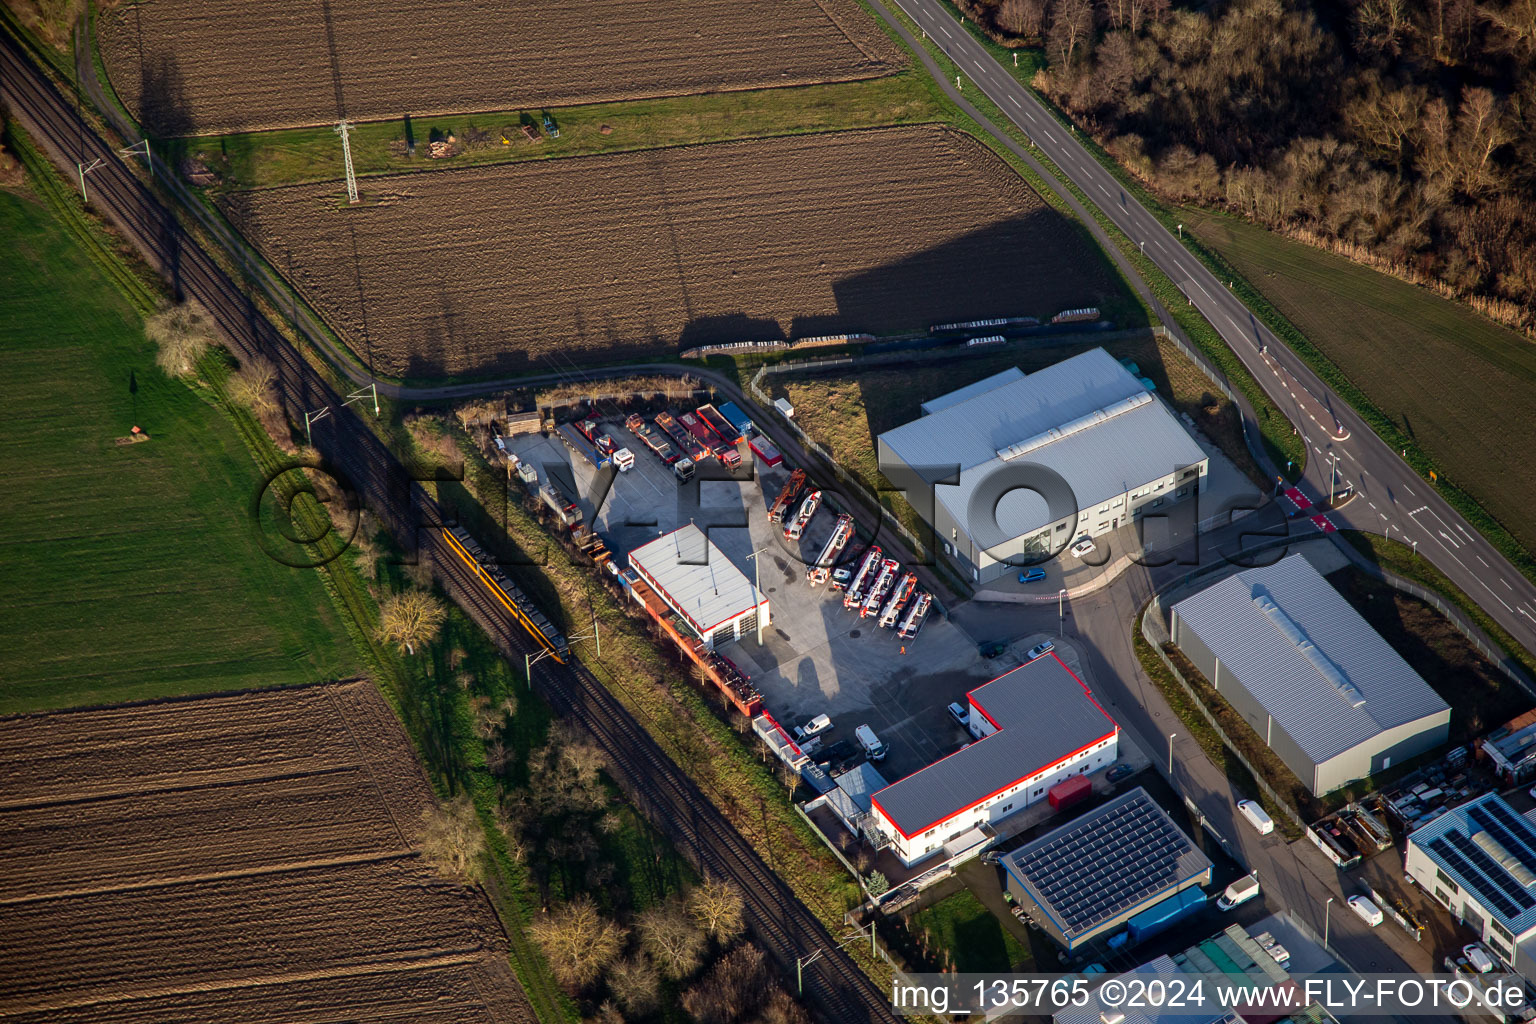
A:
(1369, 912)
(815, 727)
(1240, 891)
(1480, 959)
(873, 748)
(1256, 816)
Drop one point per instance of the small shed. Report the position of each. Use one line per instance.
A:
(784, 406)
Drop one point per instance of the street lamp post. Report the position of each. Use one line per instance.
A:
(1061, 613)
(757, 590)
(1170, 753)
(1326, 907)
(1333, 477)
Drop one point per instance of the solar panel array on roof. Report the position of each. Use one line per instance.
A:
(1112, 862)
(1485, 888)
(1519, 828)
(1507, 833)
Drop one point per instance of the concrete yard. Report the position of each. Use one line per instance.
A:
(816, 657)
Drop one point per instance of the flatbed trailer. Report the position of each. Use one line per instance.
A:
(686, 442)
(652, 438)
(802, 519)
(787, 494)
(822, 569)
(701, 433)
(578, 443)
(722, 427)
(863, 577)
(898, 599)
(917, 611)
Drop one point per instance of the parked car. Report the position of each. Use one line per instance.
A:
(1118, 772)
(961, 715)
(995, 649)
(1031, 575)
(1084, 546)
(1257, 817)
(1481, 960)
(1369, 912)
(1040, 650)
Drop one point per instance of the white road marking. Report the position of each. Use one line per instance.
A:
(1480, 558)
(1506, 583)
(1103, 189)
(946, 32)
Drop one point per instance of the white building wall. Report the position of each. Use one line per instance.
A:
(1010, 801)
(1463, 905)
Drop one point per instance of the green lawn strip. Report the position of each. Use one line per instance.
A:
(289, 156)
(720, 759)
(135, 568)
(1276, 435)
(963, 935)
(1398, 558)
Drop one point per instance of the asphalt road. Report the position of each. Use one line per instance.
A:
(1392, 498)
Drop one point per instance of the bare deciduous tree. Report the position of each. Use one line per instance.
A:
(1022, 17)
(717, 907)
(411, 619)
(672, 939)
(636, 985)
(252, 386)
(1071, 23)
(452, 841)
(182, 333)
(578, 941)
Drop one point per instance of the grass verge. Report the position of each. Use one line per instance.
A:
(960, 934)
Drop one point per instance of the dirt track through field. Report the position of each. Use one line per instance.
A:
(204, 66)
(490, 270)
(249, 857)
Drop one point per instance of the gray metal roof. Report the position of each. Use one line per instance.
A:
(696, 577)
(1103, 460)
(1312, 663)
(1121, 855)
(971, 390)
(1043, 714)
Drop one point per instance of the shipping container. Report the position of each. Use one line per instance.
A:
(765, 451)
(738, 419)
(1072, 791)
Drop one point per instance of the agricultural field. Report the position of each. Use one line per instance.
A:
(135, 567)
(184, 67)
(494, 270)
(248, 857)
(845, 412)
(1462, 387)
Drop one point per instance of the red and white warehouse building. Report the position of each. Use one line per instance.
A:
(713, 598)
(1036, 726)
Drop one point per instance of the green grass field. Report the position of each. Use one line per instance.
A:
(287, 156)
(1459, 386)
(133, 571)
(972, 935)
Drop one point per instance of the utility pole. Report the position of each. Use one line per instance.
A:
(344, 129)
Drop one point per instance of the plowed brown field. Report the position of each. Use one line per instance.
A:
(244, 858)
(489, 270)
(204, 66)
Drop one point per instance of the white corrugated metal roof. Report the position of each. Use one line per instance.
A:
(1312, 663)
(696, 577)
(959, 395)
(1142, 442)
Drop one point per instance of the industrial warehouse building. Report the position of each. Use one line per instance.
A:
(1098, 871)
(714, 600)
(1020, 466)
(1037, 726)
(1479, 862)
(1322, 688)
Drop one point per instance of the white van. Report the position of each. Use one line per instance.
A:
(870, 742)
(1257, 817)
(1480, 959)
(1369, 912)
(1240, 891)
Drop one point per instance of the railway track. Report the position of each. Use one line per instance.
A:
(351, 452)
